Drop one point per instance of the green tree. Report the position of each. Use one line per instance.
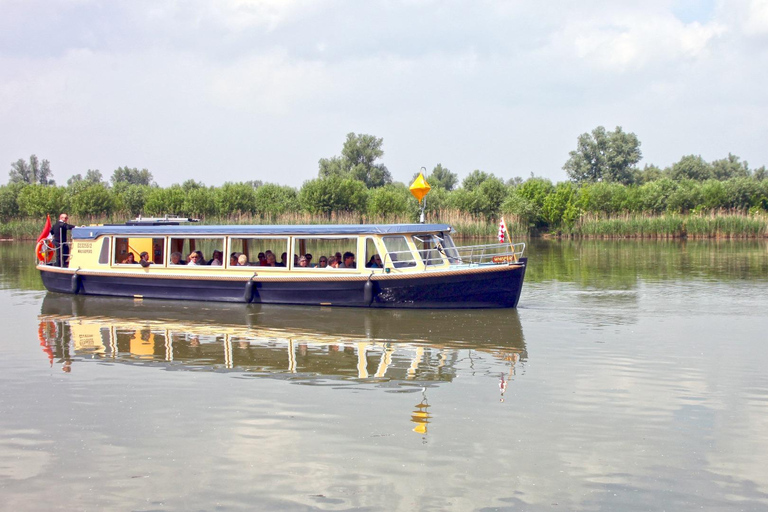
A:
(131, 198)
(690, 167)
(234, 198)
(131, 176)
(606, 198)
(192, 185)
(199, 201)
(32, 173)
(272, 200)
(91, 176)
(9, 206)
(393, 199)
(91, 199)
(647, 174)
(731, 167)
(440, 177)
(475, 179)
(333, 194)
(535, 191)
(604, 156)
(358, 161)
(164, 201)
(559, 207)
(483, 199)
(40, 200)
(653, 197)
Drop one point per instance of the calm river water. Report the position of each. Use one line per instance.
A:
(634, 376)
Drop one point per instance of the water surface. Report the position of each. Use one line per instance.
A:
(632, 377)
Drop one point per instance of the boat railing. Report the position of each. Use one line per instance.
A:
(458, 255)
(488, 253)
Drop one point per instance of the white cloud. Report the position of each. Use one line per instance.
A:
(467, 85)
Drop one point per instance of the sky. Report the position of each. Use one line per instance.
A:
(238, 90)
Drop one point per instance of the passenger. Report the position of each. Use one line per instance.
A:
(242, 260)
(144, 259)
(233, 259)
(201, 258)
(283, 260)
(374, 262)
(322, 262)
(218, 258)
(295, 260)
(303, 262)
(262, 259)
(333, 262)
(349, 261)
(338, 257)
(309, 260)
(130, 259)
(176, 259)
(271, 260)
(195, 258)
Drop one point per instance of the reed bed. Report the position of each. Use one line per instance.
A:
(711, 225)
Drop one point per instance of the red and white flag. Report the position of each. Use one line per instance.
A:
(46, 230)
(502, 230)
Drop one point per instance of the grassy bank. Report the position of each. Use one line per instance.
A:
(712, 225)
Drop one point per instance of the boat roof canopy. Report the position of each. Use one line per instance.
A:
(136, 229)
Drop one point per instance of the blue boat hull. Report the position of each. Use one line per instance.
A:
(494, 287)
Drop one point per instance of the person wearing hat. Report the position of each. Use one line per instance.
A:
(303, 262)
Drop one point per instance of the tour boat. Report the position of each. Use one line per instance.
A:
(382, 265)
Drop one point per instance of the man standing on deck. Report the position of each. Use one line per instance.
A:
(59, 233)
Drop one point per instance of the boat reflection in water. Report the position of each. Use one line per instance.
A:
(389, 348)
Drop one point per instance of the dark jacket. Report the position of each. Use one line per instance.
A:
(59, 231)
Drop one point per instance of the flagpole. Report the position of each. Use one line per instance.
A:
(507, 235)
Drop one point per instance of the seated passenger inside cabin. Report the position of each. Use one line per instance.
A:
(233, 259)
(262, 259)
(271, 262)
(309, 260)
(349, 260)
(195, 258)
(130, 259)
(283, 260)
(374, 262)
(144, 259)
(333, 262)
(303, 262)
(322, 262)
(218, 258)
(176, 259)
(242, 260)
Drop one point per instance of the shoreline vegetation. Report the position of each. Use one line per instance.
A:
(712, 225)
(606, 196)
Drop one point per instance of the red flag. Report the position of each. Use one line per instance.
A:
(502, 230)
(46, 230)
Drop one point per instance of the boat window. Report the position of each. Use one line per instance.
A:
(430, 249)
(398, 252)
(372, 257)
(206, 251)
(256, 251)
(450, 248)
(314, 249)
(128, 250)
(104, 254)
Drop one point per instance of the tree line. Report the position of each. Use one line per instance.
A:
(604, 180)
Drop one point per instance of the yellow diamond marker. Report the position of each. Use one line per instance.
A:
(419, 188)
